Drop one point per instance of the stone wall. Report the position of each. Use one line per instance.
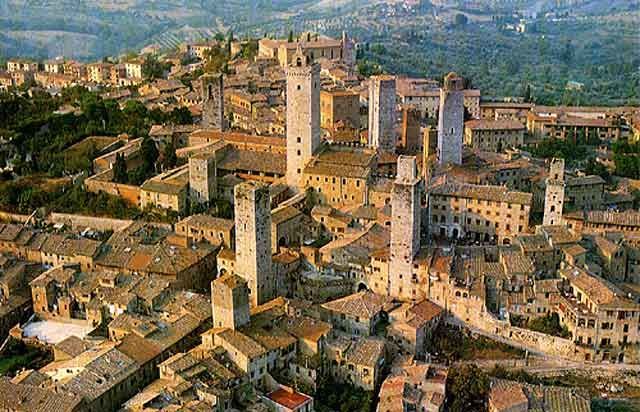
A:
(80, 222)
(102, 183)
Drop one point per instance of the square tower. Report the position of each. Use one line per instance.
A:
(303, 115)
(405, 230)
(554, 194)
(451, 120)
(382, 112)
(253, 240)
(230, 301)
(212, 93)
(203, 177)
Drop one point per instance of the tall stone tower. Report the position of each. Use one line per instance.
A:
(382, 112)
(212, 89)
(303, 115)
(230, 301)
(348, 52)
(253, 240)
(405, 229)
(203, 177)
(554, 194)
(451, 120)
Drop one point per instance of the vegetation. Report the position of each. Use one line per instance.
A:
(467, 389)
(19, 356)
(452, 345)
(343, 397)
(566, 149)
(40, 136)
(549, 324)
(153, 69)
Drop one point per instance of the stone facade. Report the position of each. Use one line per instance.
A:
(494, 135)
(382, 112)
(212, 89)
(202, 178)
(405, 229)
(230, 301)
(339, 107)
(451, 120)
(253, 240)
(303, 115)
(554, 194)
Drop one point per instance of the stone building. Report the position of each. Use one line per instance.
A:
(484, 213)
(359, 362)
(405, 229)
(212, 90)
(382, 112)
(493, 135)
(554, 194)
(451, 120)
(303, 115)
(230, 301)
(253, 240)
(206, 228)
(340, 176)
(169, 190)
(410, 134)
(203, 178)
(339, 108)
(598, 315)
(314, 46)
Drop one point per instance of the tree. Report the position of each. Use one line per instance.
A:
(120, 169)
(527, 93)
(149, 153)
(290, 39)
(170, 158)
(461, 19)
(467, 389)
(152, 68)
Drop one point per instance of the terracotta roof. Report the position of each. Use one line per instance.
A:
(289, 399)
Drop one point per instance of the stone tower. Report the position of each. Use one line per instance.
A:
(212, 90)
(554, 194)
(203, 177)
(348, 53)
(303, 115)
(253, 240)
(382, 112)
(405, 229)
(451, 120)
(230, 301)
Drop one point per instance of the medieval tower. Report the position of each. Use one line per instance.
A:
(212, 92)
(303, 115)
(451, 120)
(382, 112)
(202, 178)
(348, 52)
(554, 194)
(230, 301)
(253, 240)
(405, 229)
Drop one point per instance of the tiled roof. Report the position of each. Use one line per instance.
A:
(503, 124)
(266, 162)
(244, 344)
(365, 352)
(14, 397)
(482, 192)
(204, 221)
(363, 304)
